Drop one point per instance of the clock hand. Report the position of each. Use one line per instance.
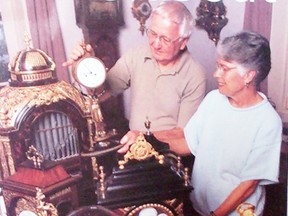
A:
(91, 72)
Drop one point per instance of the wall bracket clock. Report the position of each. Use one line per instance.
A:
(141, 10)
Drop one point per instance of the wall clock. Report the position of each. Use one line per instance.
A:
(141, 10)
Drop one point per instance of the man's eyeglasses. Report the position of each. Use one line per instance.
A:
(162, 39)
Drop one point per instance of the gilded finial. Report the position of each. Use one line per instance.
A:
(102, 181)
(27, 40)
(186, 176)
(179, 163)
(147, 124)
(33, 155)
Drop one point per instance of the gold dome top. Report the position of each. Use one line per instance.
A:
(32, 67)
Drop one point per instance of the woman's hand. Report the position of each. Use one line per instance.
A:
(128, 139)
(77, 52)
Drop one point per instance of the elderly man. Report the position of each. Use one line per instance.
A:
(166, 83)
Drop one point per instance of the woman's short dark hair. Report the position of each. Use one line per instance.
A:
(250, 50)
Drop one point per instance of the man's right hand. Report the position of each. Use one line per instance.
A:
(77, 52)
(127, 140)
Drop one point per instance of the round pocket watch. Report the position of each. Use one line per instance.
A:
(89, 71)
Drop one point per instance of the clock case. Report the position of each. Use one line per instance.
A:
(149, 182)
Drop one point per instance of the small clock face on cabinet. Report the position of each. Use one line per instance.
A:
(103, 9)
(27, 213)
(90, 72)
(151, 209)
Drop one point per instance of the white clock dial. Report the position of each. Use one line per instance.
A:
(27, 213)
(90, 72)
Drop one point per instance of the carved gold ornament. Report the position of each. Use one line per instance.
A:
(33, 155)
(7, 167)
(246, 209)
(140, 150)
(14, 99)
(44, 208)
(21, 202)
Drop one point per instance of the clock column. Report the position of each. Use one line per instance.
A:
(100, 22)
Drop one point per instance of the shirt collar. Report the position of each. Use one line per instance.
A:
(176, 68)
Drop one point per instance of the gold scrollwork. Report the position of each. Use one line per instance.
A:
(140, 150)
(6, 159)
(177, 205)
(60, 193)
(33, 155)
(21, 202)
(246, 209)
(44, 208)
(13, 99)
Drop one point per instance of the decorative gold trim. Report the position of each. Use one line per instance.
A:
(177, 205)
(33, 155)
(14, 99)
(95, 168)
(36, 77)
(246, 209)
(23, 202)
(140, 150)
(186, 176)
(60, 193)
(6, 159)
(44, 208)
(156, 206)
(102, 176)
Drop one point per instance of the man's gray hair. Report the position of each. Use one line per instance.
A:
(178, 13)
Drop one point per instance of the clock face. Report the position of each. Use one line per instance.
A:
(27, 213)
(90, 72)
(151, 209)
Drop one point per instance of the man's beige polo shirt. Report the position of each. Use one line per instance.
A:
(167, 98)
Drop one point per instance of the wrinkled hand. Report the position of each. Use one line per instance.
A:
(77, 52)
(128, 139)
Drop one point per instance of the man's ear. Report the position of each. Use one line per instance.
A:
(184, 43)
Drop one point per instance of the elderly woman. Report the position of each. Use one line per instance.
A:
(235, 134)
